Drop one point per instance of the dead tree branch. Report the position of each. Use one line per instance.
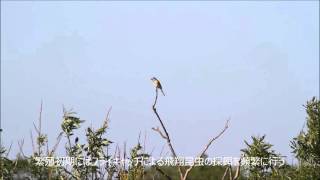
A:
(236, 176)
(225, 173)
(206, 148)
(159, 131)
(167, 137)
(230, 172)
(56, 144)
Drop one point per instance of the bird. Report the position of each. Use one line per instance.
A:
(157, 84)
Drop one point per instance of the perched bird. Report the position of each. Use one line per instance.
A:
(157, 84)
(76, 140)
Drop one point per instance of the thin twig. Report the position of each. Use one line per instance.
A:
(56, 145)
(35, 127)
(159, 131)
(108, 113)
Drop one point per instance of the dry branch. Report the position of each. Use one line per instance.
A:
(56, 145)
(225, 173)
(206, 148)
(166, 132)
(159, 131)
(230, 172)
(236, 176)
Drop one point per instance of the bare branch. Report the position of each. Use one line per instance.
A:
(166, 132)
(230, 172)
(206, 148)
(35, 127)
(236, 176)
(225, 173)
(159, 131)
(163, 127)
(108, 113)
(56, 145)
(156, 99)
(213, 139)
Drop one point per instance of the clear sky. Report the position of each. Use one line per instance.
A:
(255, 62)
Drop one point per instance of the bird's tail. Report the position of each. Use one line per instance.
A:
(162, 92)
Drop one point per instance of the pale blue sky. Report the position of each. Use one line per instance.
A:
(256, 62)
